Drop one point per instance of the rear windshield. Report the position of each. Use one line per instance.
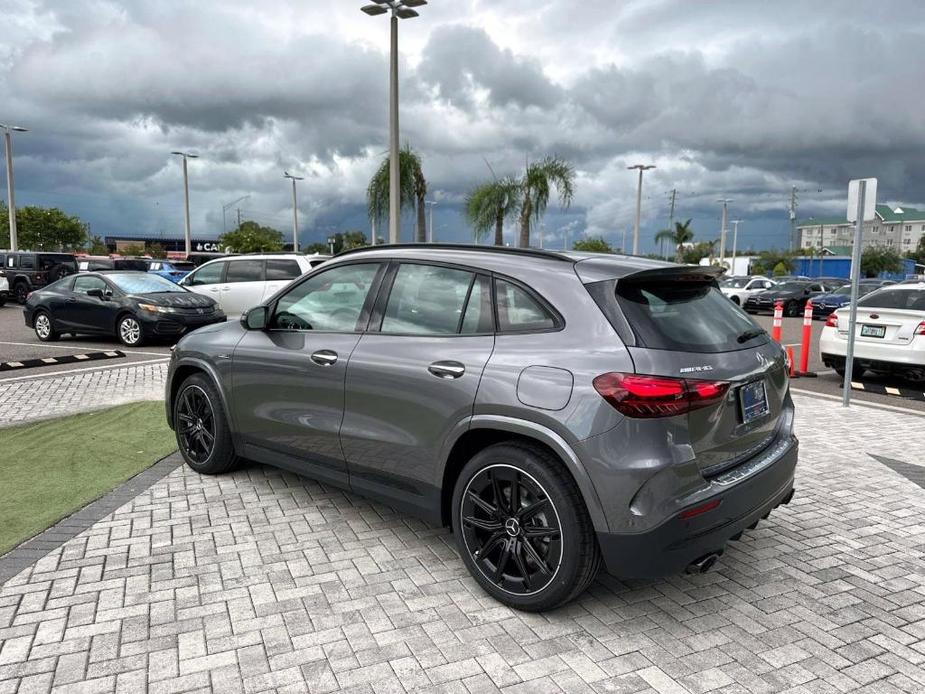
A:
(907, 299)
(686, 317)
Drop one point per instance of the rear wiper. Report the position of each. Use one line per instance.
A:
(750, 335)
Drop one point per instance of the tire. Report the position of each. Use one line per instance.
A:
(20, 292)
(44, 328)
(130, 331)
(736, 301)
(791, 309)
(551, 527)
(198, 403)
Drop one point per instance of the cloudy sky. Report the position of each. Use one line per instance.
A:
(728, 98)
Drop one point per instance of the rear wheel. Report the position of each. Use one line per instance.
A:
(44, 329)
(21, 291)
(857, 371)
(201, 427)
(522, 528)
(792, 309)
(736, 300)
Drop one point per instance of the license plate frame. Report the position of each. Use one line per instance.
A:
(753, 401)
(868, 330)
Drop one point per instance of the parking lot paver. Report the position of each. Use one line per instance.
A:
(263, 581)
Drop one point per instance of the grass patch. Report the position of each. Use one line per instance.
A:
(50, 469)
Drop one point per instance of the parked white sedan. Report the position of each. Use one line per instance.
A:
(889, 336)
(4, 288)
(738, 289)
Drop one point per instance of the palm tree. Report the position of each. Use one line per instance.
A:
(490, 204)
(535, 187)
(681, 234)
(412, 188)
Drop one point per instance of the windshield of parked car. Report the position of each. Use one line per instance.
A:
(734, 283)
(142, 283)
(790, 287)
(906, 299)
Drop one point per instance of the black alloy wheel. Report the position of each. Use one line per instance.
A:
(511, 529)
(21, 292)
(196, 426)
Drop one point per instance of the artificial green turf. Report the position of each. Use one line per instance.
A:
(50, 469)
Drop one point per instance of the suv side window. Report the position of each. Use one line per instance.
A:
(207, 274)
(279, 269)
(27, 262)
(331, 301)
(244, 271)
(519, 311)
(427, 300)
(84, 284)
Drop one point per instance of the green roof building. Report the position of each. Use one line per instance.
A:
(897, 228)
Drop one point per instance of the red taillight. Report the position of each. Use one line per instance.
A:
(921, 329)
(641, 396)
(831, 321)
(697, 510)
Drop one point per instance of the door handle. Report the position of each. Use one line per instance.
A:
(447, 369)
(324, 357)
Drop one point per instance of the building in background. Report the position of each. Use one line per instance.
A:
(896, 228)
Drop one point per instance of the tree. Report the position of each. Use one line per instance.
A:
(250, 237)
(343, 241)
(781, 268)
(42, 229)
(593, 245)
(95, 246)
(488, 205)
(771, 259)
(918, 255)
(537, 183)
(681, 235)
(133, 249)
(157, 250)
(412, 188)
(875, 260)
(693, 254)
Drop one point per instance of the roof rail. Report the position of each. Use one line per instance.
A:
(536, 252)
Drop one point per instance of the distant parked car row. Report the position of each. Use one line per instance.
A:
(793, 294)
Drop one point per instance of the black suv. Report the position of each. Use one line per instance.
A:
(28, 271)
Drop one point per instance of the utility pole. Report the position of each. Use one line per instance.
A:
(8, 130)
(188, 234)
(674, 195)
(722, 233)
(295, 211)
(793, 217)
(641, 167)
(735, 242)
(239, 217)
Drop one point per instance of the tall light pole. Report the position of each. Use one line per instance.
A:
(735, 241)
(641, 167)
(227, 206)
(431, 204)
(188, 236)
(8, 131)
(400, 9)
(295, 211)
(722, 232)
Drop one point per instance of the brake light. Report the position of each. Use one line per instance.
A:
(831, 321)
(644, 397)
(921, 329)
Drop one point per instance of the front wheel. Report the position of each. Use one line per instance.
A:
(130, 332)
(522, 527)
(201, 427)
(21, 292)
(792, 309)
(44, 330)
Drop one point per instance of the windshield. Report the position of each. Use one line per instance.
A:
(686, 317)
(142, 283)
(734, 283)
(790, 287)
(906, 299)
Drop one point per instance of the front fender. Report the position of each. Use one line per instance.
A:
(200, 365)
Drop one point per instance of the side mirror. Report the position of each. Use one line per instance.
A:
(96, 293)
(255, 318)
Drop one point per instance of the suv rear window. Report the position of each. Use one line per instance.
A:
(47, 261)
(685, 316)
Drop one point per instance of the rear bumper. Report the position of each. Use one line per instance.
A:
(670, 548)
(834, 347)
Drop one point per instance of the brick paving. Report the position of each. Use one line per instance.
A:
(262, 581)
(43, 397)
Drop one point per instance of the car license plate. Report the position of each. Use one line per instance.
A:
(873, 330)
(753, 399)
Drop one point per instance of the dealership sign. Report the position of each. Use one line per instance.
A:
(208, 247)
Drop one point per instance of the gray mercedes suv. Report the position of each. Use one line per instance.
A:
(556, 410)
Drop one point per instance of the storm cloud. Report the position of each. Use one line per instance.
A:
(731, 99)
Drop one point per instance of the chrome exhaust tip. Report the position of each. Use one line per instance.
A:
(702, 565)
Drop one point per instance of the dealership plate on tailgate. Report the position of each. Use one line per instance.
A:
(753, 399)
(873, 330)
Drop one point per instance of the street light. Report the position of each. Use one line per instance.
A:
(331, 241)
(227, 206)
(735, 241)
(188, 237)
(430, 234)
(295, 211)
(400, 9)
(7, 134)
(722, 233)
(641, 167)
